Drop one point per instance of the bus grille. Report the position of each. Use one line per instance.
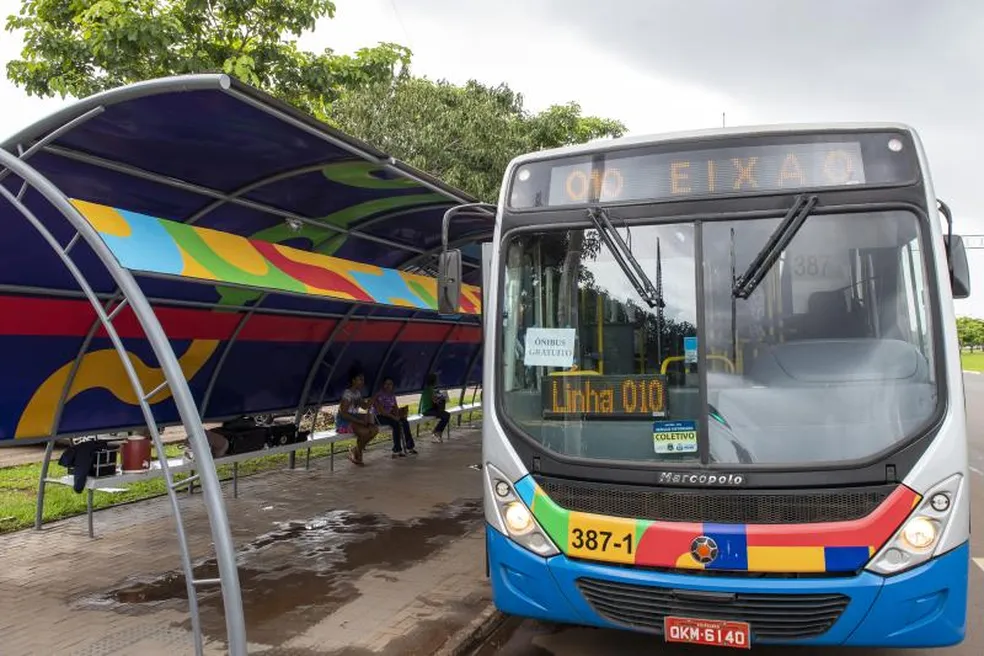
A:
(770, 616)
(715, 506)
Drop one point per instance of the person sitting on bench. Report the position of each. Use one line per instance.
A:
(349, 420)
(432, 404)
(390, 413)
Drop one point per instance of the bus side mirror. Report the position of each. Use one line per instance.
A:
(959, 268)
(449, 282)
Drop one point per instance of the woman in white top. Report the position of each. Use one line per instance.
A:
(351, 421)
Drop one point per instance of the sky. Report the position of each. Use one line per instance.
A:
(660, 66)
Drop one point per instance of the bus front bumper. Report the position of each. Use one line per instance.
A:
(924, 607)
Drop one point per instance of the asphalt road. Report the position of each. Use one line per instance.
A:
(529, 638)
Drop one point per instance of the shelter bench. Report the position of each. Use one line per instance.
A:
(328, 438)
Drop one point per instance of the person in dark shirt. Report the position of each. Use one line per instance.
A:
(432, 404)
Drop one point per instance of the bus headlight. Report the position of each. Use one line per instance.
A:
(514, 517)
(919, 537)
(518, 518)
(919, 533)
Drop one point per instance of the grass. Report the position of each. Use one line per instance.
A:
(972, 361)
(19, 485)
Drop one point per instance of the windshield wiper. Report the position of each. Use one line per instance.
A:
(623, 255)
(778, 241)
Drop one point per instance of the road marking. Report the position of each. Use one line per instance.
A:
(980, 562)
(976, 373)
(976, 470)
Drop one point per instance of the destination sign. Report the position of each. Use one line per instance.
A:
(604, 396)
(644, 174)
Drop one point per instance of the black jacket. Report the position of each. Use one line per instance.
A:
(80, 458)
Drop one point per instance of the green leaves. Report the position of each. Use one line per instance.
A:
(970, 332)
(465, 135)
(79, 47)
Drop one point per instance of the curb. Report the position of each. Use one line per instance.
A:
(976, 373)
(477, 631)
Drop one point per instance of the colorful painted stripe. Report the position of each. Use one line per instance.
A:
(786, 548)
(154, 245)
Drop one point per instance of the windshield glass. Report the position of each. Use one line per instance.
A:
(829, 359)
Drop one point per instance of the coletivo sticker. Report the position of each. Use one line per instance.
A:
(675, 436)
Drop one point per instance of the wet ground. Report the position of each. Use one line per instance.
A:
(386, 559)
(299, 574)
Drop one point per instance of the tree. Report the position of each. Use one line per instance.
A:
(76, 48)
(970, 332)
(464, 135)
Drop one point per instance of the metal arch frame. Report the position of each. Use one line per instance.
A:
(208, 192)
(381, 218)
(64, 120)
(222, 83)
(173, 378)
(252, 186)
(287, 175)
(386, 161)
(25, 155)
(223, 198)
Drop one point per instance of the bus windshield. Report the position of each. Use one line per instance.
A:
(830, 359)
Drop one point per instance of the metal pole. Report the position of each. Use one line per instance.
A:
(51, 136)
(42, 484)
(183, 400)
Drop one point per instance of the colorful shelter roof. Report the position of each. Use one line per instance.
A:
(276, 251)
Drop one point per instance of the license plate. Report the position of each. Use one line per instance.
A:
(714, 633)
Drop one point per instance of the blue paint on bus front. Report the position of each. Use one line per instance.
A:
(923, 607)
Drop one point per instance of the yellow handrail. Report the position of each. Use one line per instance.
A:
(678, 358)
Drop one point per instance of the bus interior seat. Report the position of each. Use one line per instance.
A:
(817, 400)
(830, 314)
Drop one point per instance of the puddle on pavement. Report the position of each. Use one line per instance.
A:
(293, 577)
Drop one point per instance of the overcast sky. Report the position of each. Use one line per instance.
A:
(661, 66)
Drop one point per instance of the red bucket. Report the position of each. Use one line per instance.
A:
(136, 454)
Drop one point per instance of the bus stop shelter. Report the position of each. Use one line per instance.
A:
(190, 250)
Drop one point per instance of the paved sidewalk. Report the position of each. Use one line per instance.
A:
(384, 559)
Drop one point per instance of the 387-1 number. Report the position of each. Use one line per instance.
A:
(592, 540)
(810, 266)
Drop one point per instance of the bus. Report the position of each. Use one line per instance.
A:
(723, 395)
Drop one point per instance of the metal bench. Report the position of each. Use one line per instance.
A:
(328, 438)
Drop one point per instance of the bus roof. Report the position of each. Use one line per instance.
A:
(602, 145)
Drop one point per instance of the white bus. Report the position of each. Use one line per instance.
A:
(723, 394)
